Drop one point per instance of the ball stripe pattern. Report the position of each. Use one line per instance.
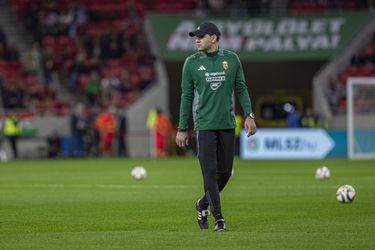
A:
(345, 194)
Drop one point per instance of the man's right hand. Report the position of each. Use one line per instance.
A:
(182, 139)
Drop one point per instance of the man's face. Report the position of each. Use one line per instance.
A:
(204, 43)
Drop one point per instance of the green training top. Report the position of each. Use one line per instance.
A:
(208, 84)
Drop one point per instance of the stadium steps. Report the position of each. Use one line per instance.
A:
(15, 31)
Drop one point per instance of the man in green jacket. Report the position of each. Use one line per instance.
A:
(210, 78)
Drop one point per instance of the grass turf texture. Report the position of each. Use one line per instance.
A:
(95, 204)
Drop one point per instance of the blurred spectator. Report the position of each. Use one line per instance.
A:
(132, 12)
(121, 134)
(92, 136)
(32, 60)
(293, 118)
(93, 88)
(79, 14)
(311, 120)
(33, 95)
(125, 86)
(48, 59)
(31, 18)
(110, 81)
(96, 49)
(13, 95)
(113, 50)
(78, 67)
(163, 133)
(54, 144)
(106, 125)
(78, 123)
(12, 131)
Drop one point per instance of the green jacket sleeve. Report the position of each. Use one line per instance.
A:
(241, 90)
(187, 95)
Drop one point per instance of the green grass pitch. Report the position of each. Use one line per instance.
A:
(95, 204)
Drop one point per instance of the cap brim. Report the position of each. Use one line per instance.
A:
(197, 33)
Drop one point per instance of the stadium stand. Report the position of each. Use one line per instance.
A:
(99, 50)
(20, 88)
(78, 38)
(362, 64)
(301, 7)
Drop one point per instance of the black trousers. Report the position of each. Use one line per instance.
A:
(13, 144)
(215, 152)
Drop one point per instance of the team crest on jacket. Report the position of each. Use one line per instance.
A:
(225, 65)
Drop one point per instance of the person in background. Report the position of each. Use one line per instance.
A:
(121, 135)
(163, 132)
(106, 125)
(12, 131)
(78, 124)
(293, 118)
(54, 144)
(92, 137)
(93, 88)
(311, 120)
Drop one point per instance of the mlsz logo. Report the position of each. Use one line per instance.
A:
(253, 144)
(201, 68)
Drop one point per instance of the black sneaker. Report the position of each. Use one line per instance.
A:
(220, 226)
(202, 216)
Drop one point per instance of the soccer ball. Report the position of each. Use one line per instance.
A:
(322, 173)
(345, 194)
(138, 173)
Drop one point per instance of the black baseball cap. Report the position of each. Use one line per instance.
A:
(205, 28)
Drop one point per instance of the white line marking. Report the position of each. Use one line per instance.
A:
(110, 186)
(123, 186)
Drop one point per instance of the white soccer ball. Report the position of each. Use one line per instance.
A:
(322, 173)
(345, 194)
(138, 173)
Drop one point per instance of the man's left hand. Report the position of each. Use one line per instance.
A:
(250, 126)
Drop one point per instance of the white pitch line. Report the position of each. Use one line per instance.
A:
(124, 186)
(109, 186)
